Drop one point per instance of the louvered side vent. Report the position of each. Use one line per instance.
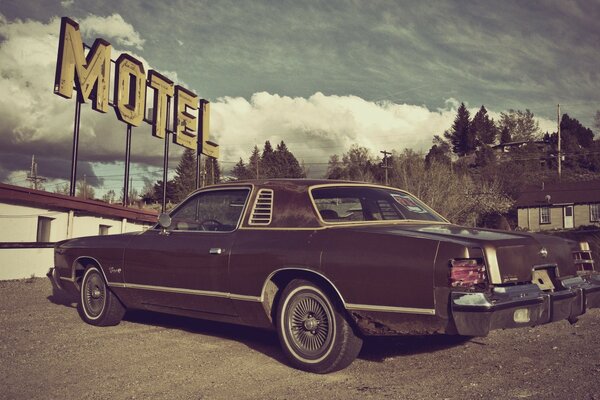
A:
(262, 212)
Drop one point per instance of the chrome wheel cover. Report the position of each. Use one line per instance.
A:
(94, 294)
(309, 329)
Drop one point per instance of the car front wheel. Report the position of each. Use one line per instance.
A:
(97, 304)
(313, 331)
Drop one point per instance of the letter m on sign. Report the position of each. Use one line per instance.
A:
(90, 74)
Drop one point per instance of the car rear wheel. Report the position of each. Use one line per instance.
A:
(97, 304)
(313, 331)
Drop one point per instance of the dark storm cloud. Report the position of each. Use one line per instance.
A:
(47, 167)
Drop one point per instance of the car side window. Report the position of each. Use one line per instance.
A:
(351, 204)
(340, 209)
(215, 211)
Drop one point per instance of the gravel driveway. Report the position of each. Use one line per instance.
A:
(47, 352)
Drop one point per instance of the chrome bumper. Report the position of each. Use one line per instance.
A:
(476, 314)
(54, 279)
(61, 289)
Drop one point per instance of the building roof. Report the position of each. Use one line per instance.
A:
(53, 201)
(584, 192)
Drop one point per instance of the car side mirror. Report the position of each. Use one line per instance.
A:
(164, 221)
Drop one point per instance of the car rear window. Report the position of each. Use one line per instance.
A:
(352, 204)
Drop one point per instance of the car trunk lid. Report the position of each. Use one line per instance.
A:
(511, 257)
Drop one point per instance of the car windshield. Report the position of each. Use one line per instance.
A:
(357, 203)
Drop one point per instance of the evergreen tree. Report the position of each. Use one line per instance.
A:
(267, 165)
(483, 128)
(286, 165)
(185, 175)
(572, 127)
(505, 135)
(240, 171)
(158, 191)
(254, 169)
(212, 172)
(460, 136)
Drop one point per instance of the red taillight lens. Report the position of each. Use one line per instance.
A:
(467, 273)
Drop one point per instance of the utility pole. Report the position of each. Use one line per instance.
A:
(32, 176)
(384, 164)
(559, 152)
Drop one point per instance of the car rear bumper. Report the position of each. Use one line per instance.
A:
(475, 314)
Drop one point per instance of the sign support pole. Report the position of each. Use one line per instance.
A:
(166, 158)
(127, 162)
(75, 151)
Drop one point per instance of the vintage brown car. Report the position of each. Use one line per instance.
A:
(326, 263)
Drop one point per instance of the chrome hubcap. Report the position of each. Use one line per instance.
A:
(94, 294)
(309, 323)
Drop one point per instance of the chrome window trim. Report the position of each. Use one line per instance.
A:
(251, 219)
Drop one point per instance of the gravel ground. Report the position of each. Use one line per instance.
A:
(47, 352)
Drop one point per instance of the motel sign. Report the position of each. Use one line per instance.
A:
(90, 76)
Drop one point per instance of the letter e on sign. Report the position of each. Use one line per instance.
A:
(186, 124)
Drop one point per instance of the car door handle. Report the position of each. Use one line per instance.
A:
(216, 251)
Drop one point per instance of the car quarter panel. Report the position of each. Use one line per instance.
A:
(380, 267)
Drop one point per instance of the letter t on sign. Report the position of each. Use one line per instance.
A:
(163, 90)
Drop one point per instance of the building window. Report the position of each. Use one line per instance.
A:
(103, 229)
(43, 229)
(595, 212)
(544, 215)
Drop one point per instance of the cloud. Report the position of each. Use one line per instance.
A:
(318, 126)
(112, 28)
(67, 3)
(33, 120)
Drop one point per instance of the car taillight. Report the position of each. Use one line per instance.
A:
(583, 258)
(467, 273)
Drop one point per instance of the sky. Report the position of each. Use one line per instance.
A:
(319, 75)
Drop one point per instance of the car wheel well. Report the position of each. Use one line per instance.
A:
(276, 284)
(80, 266)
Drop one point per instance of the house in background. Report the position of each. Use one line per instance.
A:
(565, 205)
(31, 221)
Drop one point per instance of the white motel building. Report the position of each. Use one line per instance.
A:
(31, 221)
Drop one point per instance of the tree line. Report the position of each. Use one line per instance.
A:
(472, 173)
